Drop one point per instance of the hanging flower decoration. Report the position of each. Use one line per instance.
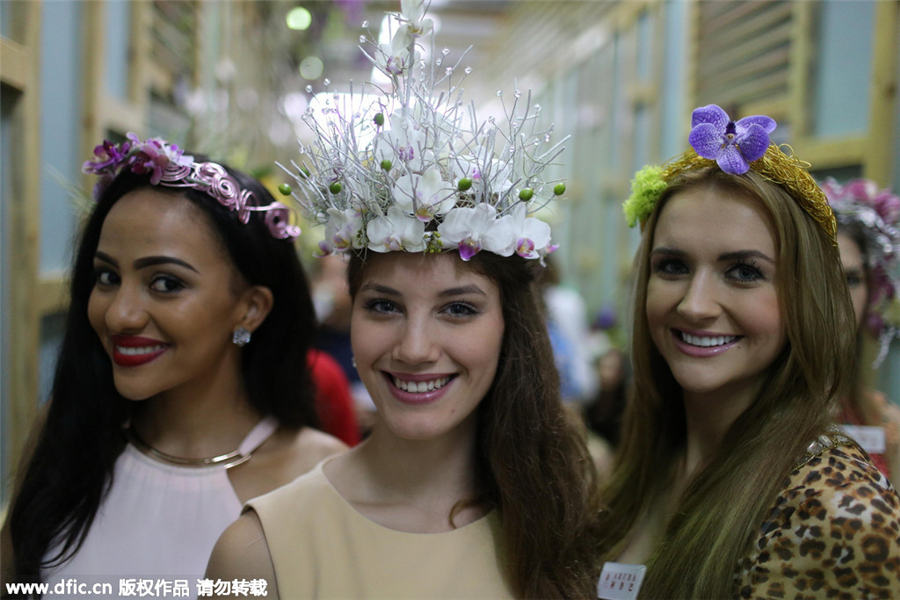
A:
(732, 145)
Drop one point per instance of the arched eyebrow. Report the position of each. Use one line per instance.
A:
(725, 257)
(745, 254)
(147, 261)
(668, 251)
(454, 291)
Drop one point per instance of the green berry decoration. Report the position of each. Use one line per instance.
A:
(386, 165)
(335, 188)
(379, 119)
(304, 172)
(526, 194)
(464, 184)
(559, 189)
(285, 189)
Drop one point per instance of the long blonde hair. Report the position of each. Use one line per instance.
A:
(720, 513)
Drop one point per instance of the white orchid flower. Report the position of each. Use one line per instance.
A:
(396, 57)
(471, 230)
(414, 12)
(404, 141)
(341, 232)
(531, 235)
(427, 194)
(396, 231)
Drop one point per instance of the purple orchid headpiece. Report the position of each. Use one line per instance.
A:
(732, 145)
(735, 147)
(875, 213)
(168, 166)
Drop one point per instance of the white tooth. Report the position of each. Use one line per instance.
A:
(135, 350)
(420, 387)
(707, 342)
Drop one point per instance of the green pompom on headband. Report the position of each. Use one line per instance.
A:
(646, 188)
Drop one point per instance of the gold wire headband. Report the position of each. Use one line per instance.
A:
(776, 166)
(735, 148)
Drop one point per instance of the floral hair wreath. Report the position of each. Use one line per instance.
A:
(736, 147)
(169, 167)
(875, 213)
(413, 170)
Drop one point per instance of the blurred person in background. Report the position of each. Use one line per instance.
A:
(869, 243)
(332, 301)
(569, 336)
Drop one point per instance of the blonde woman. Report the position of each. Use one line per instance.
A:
(729, 482)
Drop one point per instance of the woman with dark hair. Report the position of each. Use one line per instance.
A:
(729, 481)
(869, 241)
(180, 390)
(472, 483)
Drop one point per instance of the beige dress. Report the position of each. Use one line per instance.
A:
(321, 547)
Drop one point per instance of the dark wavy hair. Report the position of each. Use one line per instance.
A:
(71, 467)
(531, 461)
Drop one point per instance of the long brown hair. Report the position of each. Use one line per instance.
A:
(720, 513)
(532, 464)
(857, 397)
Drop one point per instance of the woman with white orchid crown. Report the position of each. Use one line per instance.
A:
(472, 483)
(730, 481)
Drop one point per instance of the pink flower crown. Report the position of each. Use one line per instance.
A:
(168, 166)
(875, 213)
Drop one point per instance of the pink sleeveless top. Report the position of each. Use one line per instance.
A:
(158, 521)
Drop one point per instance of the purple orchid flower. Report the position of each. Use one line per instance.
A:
(151, 158)
(733, 145)
(110, 155)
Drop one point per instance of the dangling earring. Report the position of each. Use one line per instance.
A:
(241, 337)
(353, 361)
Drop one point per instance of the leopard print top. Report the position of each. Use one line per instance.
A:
(833, 532)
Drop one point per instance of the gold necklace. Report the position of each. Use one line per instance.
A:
(231, 459)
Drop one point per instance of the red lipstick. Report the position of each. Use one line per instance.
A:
(132, 350)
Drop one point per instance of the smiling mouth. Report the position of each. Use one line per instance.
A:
(706, 341)
(139, 350)
(420, 387)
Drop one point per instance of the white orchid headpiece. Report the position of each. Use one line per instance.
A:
(412, 169)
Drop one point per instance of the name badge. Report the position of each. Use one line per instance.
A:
(620, 581)
(870, 439)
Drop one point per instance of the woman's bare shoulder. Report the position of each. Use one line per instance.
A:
(305, 448)
(288, 454)
(242, 553)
